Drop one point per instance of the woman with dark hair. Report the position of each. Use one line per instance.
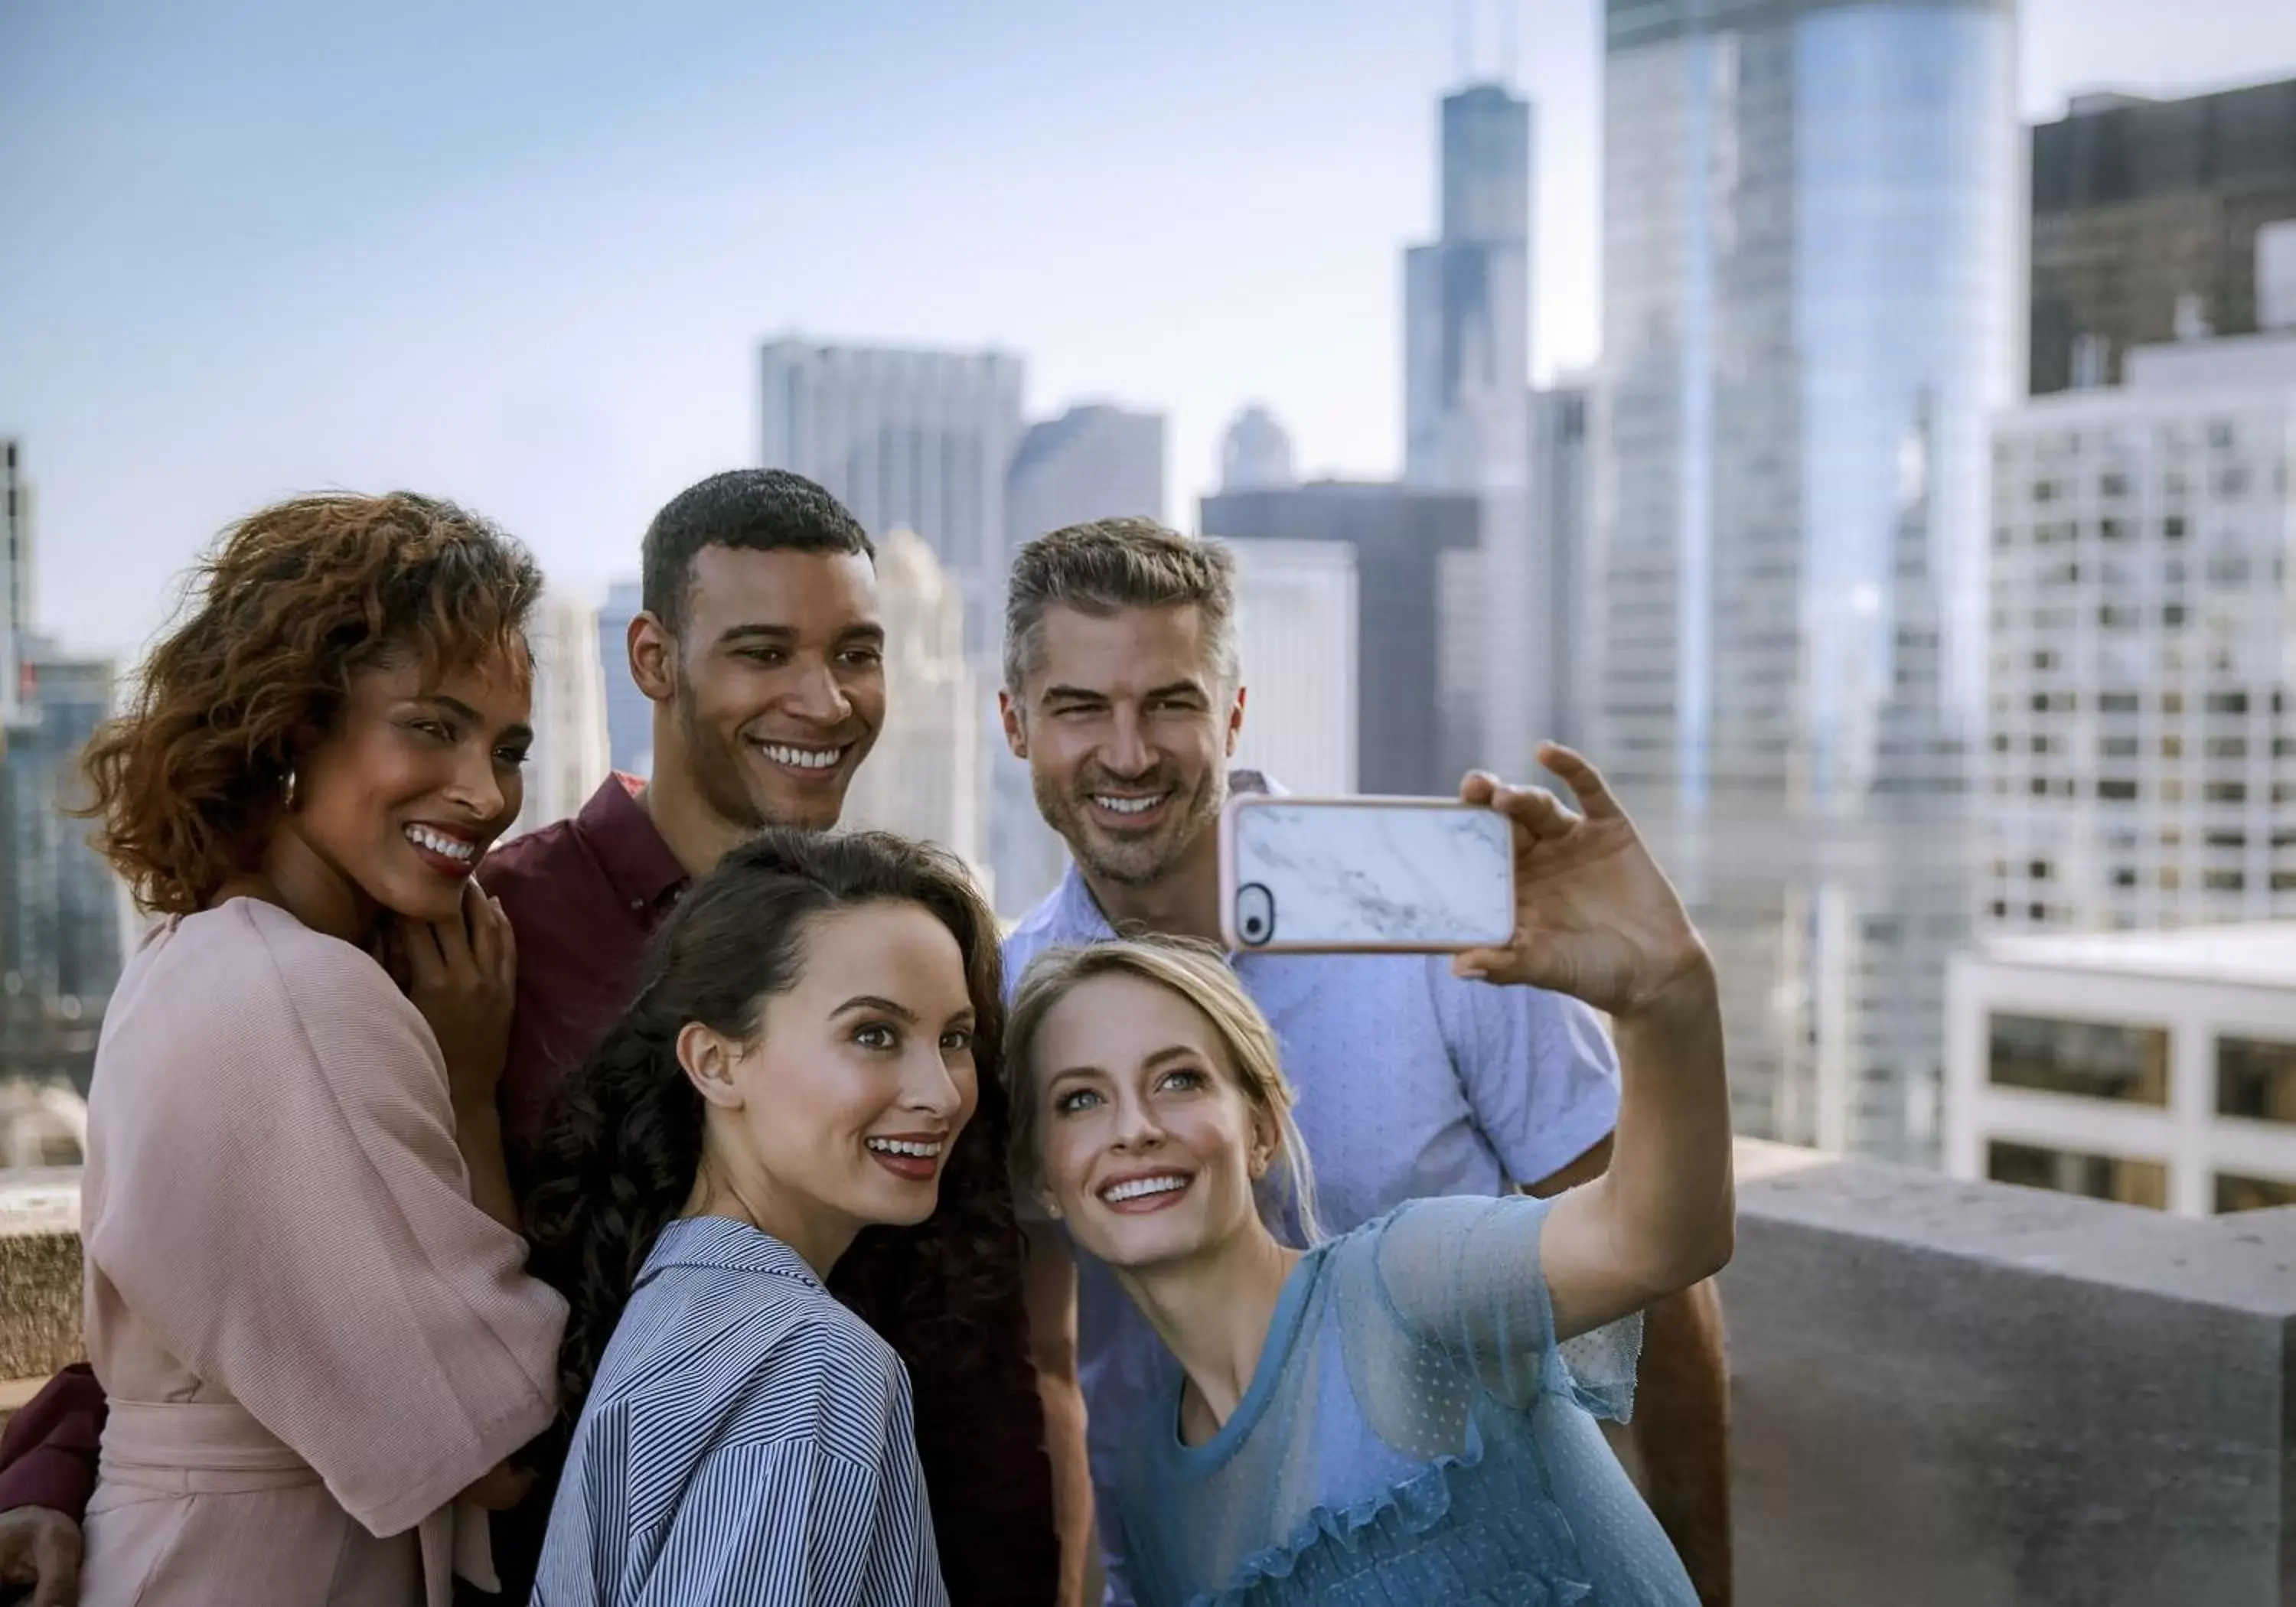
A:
(808, 1075)
(305, 1295)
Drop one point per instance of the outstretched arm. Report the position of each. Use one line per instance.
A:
(1596, 918)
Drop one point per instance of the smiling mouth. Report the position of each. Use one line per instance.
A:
(444, 852)
(1137, 1194)
(1127, 806)
(807, 757)
(917, 1160)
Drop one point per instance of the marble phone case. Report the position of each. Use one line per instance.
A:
(1370, 876)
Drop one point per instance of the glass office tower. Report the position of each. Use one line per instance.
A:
(1811, 307)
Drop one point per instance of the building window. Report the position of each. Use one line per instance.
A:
(2070, 1172)
(2256, 1078)
(2095, 1060)
(2227, 702)
(2117, 792)
(2117, 702)
(2172, 528)
(2227, 792)
(2238, 1194)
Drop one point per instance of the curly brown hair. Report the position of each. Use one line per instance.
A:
(290, 605)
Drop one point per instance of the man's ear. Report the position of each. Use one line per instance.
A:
(1016, 724)
(653, 658)
(1235, 721)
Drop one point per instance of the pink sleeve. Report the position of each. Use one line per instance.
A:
(283, 1205)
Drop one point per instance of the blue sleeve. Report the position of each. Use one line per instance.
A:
(1536, 1068)
(1462, 1275)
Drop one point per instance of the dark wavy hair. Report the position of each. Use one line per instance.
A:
(289, 606)
(623, 1142)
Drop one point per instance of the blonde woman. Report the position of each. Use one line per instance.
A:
(1399, 1414)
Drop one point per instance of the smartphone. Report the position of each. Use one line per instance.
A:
(1375, 875)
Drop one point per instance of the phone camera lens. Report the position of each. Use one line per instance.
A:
(1255, 913)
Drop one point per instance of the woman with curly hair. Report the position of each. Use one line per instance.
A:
(304, 1297)
(809, 1073)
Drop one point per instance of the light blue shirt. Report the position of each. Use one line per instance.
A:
(1411, 1084)
(1413, 1434)
(747, 1441)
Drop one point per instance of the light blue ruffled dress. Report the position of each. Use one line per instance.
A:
(1413, 1436)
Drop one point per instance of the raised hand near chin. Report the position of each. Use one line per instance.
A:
(1595, 916)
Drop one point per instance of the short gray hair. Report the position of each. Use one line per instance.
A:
(1109, 565)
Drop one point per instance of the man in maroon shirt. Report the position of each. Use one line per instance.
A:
(762, 653)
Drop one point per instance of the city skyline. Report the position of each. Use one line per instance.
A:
(447, 304)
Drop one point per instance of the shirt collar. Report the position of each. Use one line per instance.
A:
(628, 846)
(727, 1245)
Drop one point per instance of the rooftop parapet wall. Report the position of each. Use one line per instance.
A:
(1951, 1391)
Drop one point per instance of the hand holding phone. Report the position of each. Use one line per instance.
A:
(1374, 876)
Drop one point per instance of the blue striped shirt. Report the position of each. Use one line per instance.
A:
(747, 1440)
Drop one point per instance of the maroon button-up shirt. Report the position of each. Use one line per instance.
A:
(584, 896)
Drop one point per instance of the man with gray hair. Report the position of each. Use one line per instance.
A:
(1124, 694)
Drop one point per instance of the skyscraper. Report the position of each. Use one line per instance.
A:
(571, 752)
(924, 777)
(1296, 613)
(15, 582)
(1809, 242)
(1403, 538)
(1466, 377)
(629, 714)
(1092, 461)
(906, 438)
(61, 943)
(1256, 453)
(2142, 760)
(1561, 641)
(2153, 220)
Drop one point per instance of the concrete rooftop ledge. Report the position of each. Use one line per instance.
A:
(1942, 1391)
(1950, 1392)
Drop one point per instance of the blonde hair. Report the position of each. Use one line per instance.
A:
(1199, 973)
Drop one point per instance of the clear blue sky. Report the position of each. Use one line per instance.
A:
(521, 256)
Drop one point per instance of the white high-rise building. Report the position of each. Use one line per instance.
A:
(2140, 752)
(570, 754)
(1256, 453)
(629, 713)
(905, 438)
(1296, 630)
(2152, 1067)
(924, 777)
(15, 582)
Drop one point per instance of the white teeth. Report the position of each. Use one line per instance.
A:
(903, 1146)
(438, 842)
(1140, 1187)
(1127, 806)
(803, 758)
